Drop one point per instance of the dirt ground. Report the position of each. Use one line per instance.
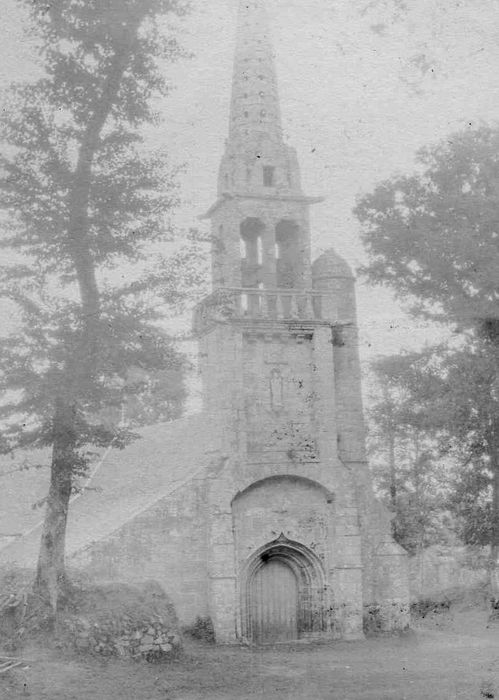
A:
(444, 657)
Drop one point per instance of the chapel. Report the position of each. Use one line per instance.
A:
(259, 512)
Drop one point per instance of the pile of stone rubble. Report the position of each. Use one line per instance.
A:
(122, 620)
(152, 639)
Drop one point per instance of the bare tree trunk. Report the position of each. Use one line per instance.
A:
(51, 575)
(490, 328)
(393, 471)
(393, 480)
(390, 435)
(494, 543)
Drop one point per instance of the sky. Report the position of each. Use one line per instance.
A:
(363, 84)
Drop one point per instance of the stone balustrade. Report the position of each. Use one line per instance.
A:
(231, 303)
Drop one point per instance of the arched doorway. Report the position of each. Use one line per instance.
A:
(283, 594)
(274, 603)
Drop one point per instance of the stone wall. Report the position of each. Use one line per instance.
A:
(385, 563)
(280, 397)
(324, 524)
(152, 640)
(435, 572)
(122, 620)
(294, 507)
(167, 543)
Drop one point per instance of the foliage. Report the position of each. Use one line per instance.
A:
(85, 219)
(445, 398)
(433, 237)
(201, 629)
(409, 472)
(466, 407)
(84, 115)
(155, 398)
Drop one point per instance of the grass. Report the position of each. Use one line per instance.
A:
(449, 656)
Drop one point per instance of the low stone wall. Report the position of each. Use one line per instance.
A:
(437, 571)
(121, 620)
(389, 617)
(153, 640)
(106, 618)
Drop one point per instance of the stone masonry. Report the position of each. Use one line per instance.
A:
(274, 533)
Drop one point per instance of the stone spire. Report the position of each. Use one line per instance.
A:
(255, 100)
(256, 161)
(260, 219)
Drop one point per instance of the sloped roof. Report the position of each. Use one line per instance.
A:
(20, 489)
(124, 482)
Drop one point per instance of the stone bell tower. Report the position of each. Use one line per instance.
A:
(281, 384)
(261, 214)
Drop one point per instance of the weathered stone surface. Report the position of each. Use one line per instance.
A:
(281, 472)
(101, 626)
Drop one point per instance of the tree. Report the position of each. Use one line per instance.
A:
(465, 408)
(433, 237)
(155, 398)
(446, 396)
(408, 469)
(83, 209)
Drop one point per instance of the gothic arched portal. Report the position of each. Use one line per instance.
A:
(283, 592)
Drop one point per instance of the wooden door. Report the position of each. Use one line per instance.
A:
(274, 603)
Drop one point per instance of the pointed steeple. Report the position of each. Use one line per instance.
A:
(261, 236)
(255, 100)
(256, 159)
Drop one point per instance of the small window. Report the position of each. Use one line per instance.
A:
(259, 250)
(268, 176)
(243, 248)
(277, 251)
